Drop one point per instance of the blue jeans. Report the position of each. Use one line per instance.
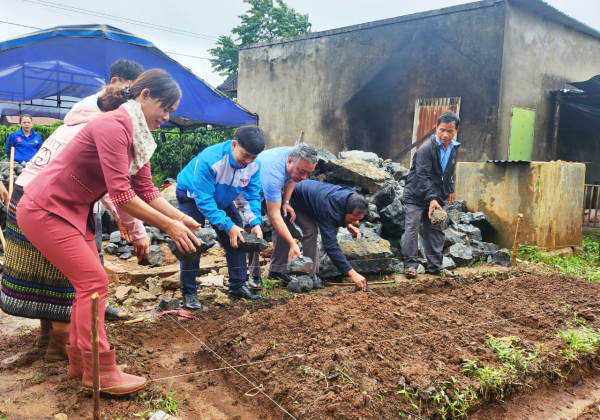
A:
(236, 262)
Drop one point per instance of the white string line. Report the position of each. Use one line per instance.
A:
(232, 367)
(547, 312)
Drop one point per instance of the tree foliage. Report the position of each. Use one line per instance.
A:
(42, 130)
(265, 21)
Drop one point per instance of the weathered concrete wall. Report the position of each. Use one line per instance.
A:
(549, 194)
(540, 56)
(356, 87)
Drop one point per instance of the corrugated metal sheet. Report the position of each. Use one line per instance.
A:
(427, 112)
(542, 8)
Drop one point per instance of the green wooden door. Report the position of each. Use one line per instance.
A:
(522, 123)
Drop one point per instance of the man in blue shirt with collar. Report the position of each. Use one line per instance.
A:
(430, 185)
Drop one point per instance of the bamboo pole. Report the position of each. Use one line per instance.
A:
(10, 175)
(513, 258)
(95, 354)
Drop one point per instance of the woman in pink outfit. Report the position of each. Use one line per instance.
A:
(111, 154)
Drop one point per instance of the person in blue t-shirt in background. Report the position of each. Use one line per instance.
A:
(206, 189)
(25, 141)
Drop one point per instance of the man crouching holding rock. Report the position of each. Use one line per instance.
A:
(429, 184)
(206, 189)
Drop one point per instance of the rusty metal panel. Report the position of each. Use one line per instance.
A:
(503, 190)
(427, 112)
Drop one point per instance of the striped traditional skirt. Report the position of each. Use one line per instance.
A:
(31, 286)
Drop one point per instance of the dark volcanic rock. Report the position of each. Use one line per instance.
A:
(392, 218)
(325, 156)
(448, 263)
(397, 171)
(460, 254)
(295, 231)
(251, 244)
(111, 248)
(207, 237)
(125, 248)
(302, 265)
(167, 304)
(302, 284)
(369, 157)
(460, 205)
(115, 238)
(479, 220)
(454, 216)
(360, 173)
(126, 256)
(471, 231)
(384, 196)
(455, 237)
(155, 256)
(502, 257)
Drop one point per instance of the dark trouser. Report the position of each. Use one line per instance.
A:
(281, 248)
(433, 238)
(98, 220)
(236, 263)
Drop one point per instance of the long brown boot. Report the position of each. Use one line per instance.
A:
(57, 349)
(112, 380)
(44, 338)
(75, 362)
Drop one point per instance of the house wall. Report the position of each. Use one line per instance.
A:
(356, 87)
(540, 56)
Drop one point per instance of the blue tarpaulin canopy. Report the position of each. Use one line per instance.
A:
(44, 73)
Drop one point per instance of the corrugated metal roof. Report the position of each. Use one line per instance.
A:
(588, 86)
(542, 8)
(229, 85)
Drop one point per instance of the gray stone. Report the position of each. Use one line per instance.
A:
(145, 296)
(478, 219)
(369, 157)
(397, 171)
(105, 237)
(295, 231)
(302, 265)
(392, 266)
(384, 196)
(325, 156)
(168, 304)
(488, 248)
(125, 249)
(455, 237)
(460, 254)
(420, 269)
(471, 231)
(372, 215)
(126, 256)
(477, 254)
(115, 238)
(207, 238)
(448, 263)
(111, 249)
(366, 248)
(344, 235)
(155, 256)
(360, 173)
(302, 284)
(251, 244)
(454, 216)
(438, 217)
(392, 218)
(460, 205)
(502, 257)
(152, 230)
(122, 293)
(267, 229)
(369, 228)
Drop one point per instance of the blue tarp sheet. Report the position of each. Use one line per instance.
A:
(72, 62)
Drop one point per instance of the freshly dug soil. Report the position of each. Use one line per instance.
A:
(332, 355)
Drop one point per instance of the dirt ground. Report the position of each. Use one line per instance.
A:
(334, 354)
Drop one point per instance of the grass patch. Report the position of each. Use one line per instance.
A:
(584, 265)
(579, 339)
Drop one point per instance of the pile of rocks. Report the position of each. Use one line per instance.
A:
(380, 248)
(124, 250)
(5, 171)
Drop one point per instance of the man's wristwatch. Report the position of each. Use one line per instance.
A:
(286, 202)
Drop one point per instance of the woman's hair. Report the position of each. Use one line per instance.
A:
(160, 84)
(24, 116)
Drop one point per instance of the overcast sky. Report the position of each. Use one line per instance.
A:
(206, 20)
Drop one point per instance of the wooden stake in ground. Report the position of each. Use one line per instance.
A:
(10, 175)
(95, 354)
(513, 258)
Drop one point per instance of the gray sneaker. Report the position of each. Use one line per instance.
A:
(191, 302)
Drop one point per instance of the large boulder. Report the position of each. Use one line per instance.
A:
(478, 219)
(384, 196)
(369, 157)
(460, 205)
(460, 254)
(502, 257)
(453, 236)
(398, 172)
(325, 156)
(207, 238)
(361, 173)
(392, 218)
(471, 231)
(366, 248)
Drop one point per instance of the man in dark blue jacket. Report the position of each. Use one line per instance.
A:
(429, 184)
(327, 207)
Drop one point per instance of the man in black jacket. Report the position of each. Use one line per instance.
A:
(430, 185)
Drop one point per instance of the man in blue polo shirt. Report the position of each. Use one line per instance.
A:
(206, 189)
(25, 141)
